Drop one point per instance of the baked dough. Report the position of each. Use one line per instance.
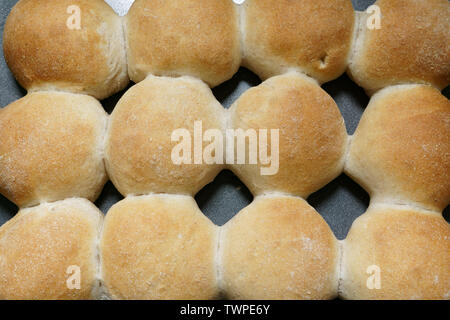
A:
(411, 46)
(411, 248)
(198, 38)
(310, 36)
(48, 250)
(312, 135)
(279, 247)
(43, 53)
(400, 151)
(52, 148)
(159, 247)
(139, 141)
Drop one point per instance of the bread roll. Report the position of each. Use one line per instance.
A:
(401, 149)
(407, 250)
(45, 50)
(312, 135)
(199, 38)
(311, 36)
(139, 142)
(279, 248)
(411, 46)
(158, 247)
(52, 148)
(50, 252)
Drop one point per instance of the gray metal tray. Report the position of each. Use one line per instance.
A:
(340, 202)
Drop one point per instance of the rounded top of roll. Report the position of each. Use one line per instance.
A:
(400, 151)
(411, 46)
(72, 45)
(198, 38)
(52, 148)
(279, 247)
(311, 135)
(42, 247)
(313, 37)
(142, 136)
(158, 247)
(408, 251)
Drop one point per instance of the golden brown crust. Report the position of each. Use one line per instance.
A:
(309, 36)
(411, 46)
(158, 247)
(43, 53)
(52, 148)
(279, 248)
(199, 38)
(411, 249)
(139, 146)
(38, 246)
(312, 135)
(401, 149)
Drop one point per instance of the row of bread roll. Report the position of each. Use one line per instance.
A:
(399, 152)
(312, 136)
(55, 143)
(163, 247)
(209, 39)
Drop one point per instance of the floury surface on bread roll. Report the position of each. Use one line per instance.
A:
(311, 36)
(400, 152)
(72, 45)
(279, 247)
(50, 252)
(411, 46)
(199, 38)
(159, 247)
(139, 144)
(393, 253)
(312, 135)
(51, 148)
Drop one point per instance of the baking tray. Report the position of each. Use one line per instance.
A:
(340, 202)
